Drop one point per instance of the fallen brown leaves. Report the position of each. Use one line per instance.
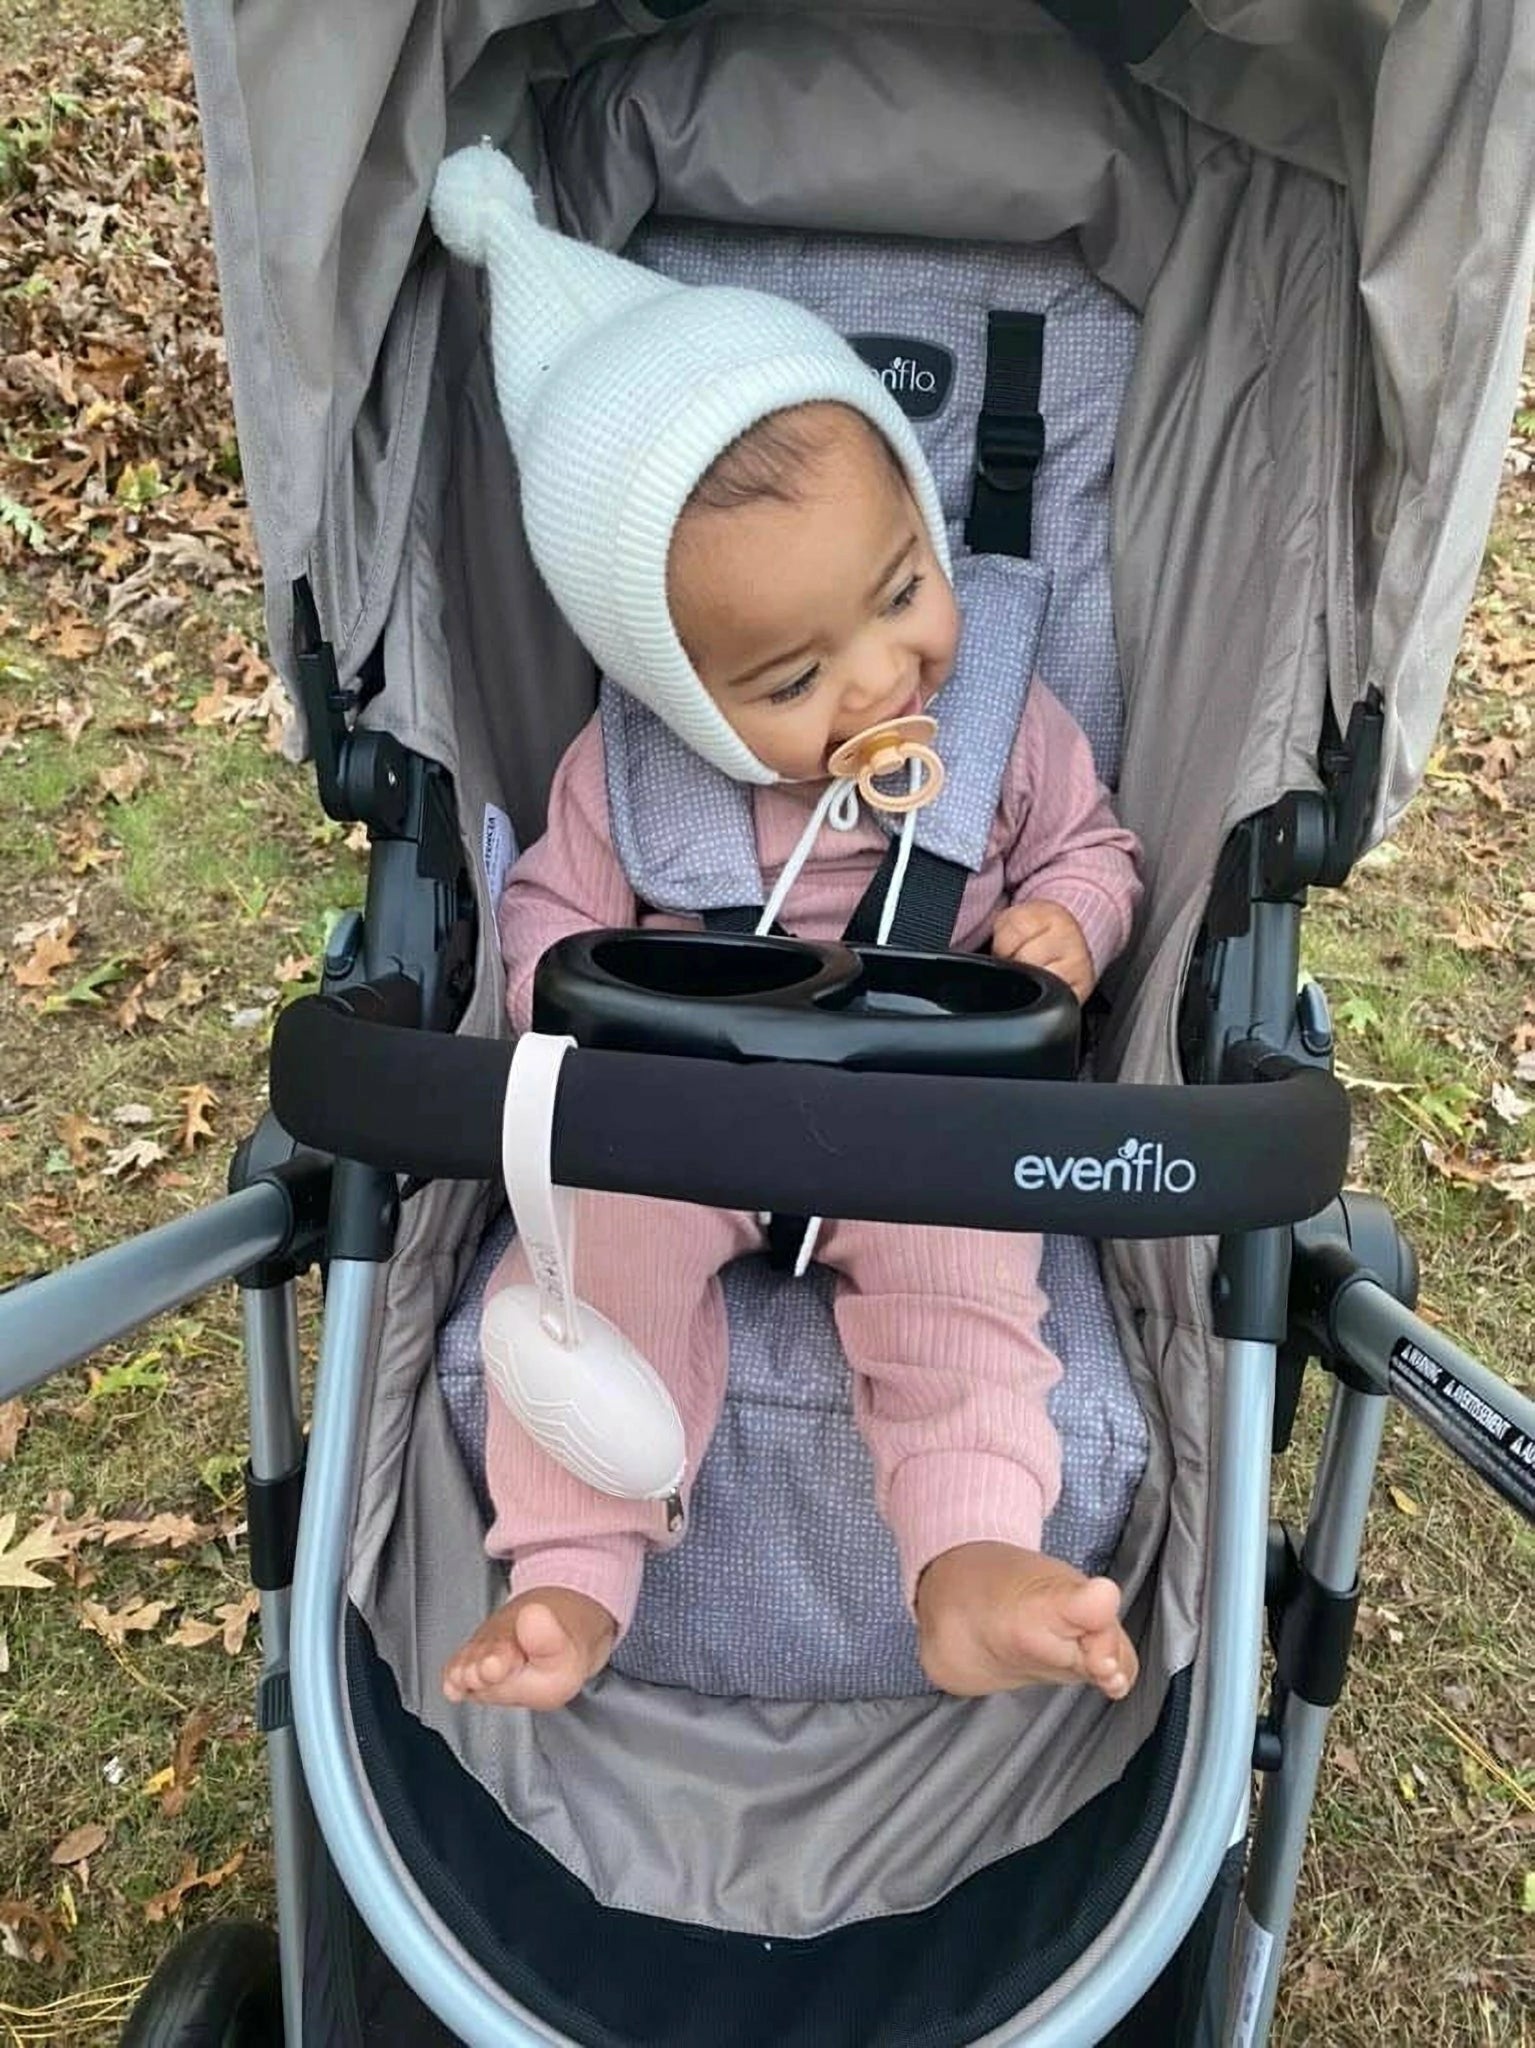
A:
(20, 1559)
(53, 949)
(190, 1743)
(56, 1539)
(196, 1125)
(119, 486)
(167, 1904)
(230, 1626)
(136, 1616)
(78, 1844)
(14, 1416)
(31, 1934)
(1513, 1179)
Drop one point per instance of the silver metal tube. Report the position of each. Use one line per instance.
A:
(1159, 1911)
(53, 1322)
(421, 1949)
(292, 1835)
(1334, 1540)
(1340, 1498)
(270, 1317)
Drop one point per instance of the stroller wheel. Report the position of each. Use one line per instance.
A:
(217, 1988)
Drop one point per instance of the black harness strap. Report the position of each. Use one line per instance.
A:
(738, 917)
(929, 907)
(1009, 437)
(924, 922)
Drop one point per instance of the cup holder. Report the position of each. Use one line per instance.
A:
(876, 1008)
(706, 967)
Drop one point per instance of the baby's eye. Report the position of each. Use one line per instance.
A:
(789, 691)
(905, 594)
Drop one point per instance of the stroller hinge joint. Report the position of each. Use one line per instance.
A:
(302, 1177)
(362, 776)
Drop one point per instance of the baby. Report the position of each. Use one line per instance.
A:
(737, 519)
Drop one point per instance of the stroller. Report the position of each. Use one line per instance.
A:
(1276, 262)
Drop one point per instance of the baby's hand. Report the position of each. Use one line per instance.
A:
(1042, 934)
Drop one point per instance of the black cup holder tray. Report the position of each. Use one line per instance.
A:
(876, 1008)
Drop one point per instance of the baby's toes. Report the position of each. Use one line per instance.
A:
(493, 1666)
(461, 1677)
(1091, 1609)
(1109, 1660)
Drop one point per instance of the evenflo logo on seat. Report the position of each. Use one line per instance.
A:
(1140, 1167)
(917, 374)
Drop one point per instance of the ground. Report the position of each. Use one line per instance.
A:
(165, 884)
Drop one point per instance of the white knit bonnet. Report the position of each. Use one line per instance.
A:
(618, 389)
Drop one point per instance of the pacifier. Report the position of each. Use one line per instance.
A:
(882, 751)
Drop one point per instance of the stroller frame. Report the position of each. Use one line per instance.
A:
(1281, 1293)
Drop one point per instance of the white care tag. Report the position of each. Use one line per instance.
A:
(1252, 1946)
(498, 849)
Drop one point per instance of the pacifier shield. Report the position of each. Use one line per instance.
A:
(881, 751)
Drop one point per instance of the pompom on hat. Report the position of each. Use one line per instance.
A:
(618, 389)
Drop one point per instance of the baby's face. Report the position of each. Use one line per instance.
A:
(810, 620)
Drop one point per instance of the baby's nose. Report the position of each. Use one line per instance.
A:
(876, 689)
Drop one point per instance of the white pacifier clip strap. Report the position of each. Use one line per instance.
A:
(544, 1214)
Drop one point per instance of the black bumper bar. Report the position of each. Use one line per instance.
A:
(351, 1078)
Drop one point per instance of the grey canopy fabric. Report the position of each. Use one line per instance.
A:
(325, 128)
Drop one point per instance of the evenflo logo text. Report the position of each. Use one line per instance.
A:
(1140, 1167)
(918, 374)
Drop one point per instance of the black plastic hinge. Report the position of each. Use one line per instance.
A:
(1268, 1746)
(1306, 836)
(360, 775)
(303, 1178)
(271, 1513)
(1316, 1633)
(1351, 773)
(1311, 1628)
(319, 689)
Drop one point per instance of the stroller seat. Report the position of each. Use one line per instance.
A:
(787, 1586)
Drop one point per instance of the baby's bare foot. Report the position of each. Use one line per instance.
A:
(536, 1651)
(992, 1617)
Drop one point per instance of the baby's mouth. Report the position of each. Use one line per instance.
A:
(910, 706)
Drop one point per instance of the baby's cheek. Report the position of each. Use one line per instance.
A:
(943, 638)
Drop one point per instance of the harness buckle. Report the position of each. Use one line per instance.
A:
(1009, 450)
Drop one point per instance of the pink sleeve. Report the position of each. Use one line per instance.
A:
(1068, 847)
(568, 881)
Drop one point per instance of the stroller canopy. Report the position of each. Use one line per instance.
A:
(325, 130)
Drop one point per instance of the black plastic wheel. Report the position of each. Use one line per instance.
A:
(219, 1987)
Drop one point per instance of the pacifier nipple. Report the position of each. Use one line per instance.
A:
(881, 751)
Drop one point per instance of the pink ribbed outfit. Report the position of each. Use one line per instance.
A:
(940, 1327)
